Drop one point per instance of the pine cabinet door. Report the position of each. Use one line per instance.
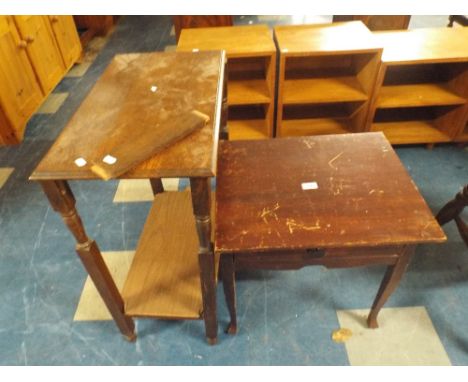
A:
(67, 38)
(43, 50)
(20, 94)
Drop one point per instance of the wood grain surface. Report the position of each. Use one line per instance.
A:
(164, 278)
(136, 91)
(425, 44)
(364, 195)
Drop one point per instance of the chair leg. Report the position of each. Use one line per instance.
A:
(227, 270)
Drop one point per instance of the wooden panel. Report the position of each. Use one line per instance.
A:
(251, 128)
(42, 50)
(248, 92)
(187, 21)
(320, 90)
(20, 94)
(128, 148)
(164, 280)
(378, 22)
(319, 39)
(417, 95)
(237, 41)
(364, 195)
(425, 44)
(410, 132)
(317, 126)
(183, 81)
(67, 38)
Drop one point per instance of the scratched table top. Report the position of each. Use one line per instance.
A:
(317, 192)
(136, 92)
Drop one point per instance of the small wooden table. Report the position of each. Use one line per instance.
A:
(332, 200)
(137, 90)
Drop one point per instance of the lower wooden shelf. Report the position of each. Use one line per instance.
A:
(247, 92)
(164, 280)
(409, 132)
(322, 90)
(428, 94)
(248, 129)
(314, 126)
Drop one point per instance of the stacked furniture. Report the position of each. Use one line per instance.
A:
(251, 69)
(35, 54)
(422, 89)
(326, 78)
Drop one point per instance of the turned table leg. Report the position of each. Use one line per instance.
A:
(156, 186)
(62, 201)
(389, 283)
(228, 275)
(201, 192)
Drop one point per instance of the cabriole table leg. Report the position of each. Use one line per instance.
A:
(389, 283)
(62, 201)
(201, 192)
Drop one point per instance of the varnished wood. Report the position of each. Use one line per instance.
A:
(321, 90)
(156, 186)
(42, 49)
(20, 93)
(62, 201)
(389, 283)
(251, 56)
(195, 76)
(426, 94)
(164, 280)
(237, 41)
(353, 205)
(423, 71)
(378, 22)
(356, 215)
(132, 144)
(452, 211)
(322, 38)
(199, 21)
(227, 272)
(316, 126)
(326, 63)
(252, 128)
(68, 41)
(411, 132)
(247, 92)
(423, 45)
(201, 204)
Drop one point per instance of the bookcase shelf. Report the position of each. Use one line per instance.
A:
(251, 69)
(326, 78)
(424, 80)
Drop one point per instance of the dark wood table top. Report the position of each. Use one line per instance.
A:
(141, 90)
(362, 195)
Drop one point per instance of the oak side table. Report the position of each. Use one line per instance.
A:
(340, 200)
(166, 279)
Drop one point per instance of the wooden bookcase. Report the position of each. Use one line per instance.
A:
(251, 71)
(422, 87)
(326, 78)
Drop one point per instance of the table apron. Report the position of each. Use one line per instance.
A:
(330, 258)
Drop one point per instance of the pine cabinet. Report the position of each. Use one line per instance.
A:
(35, 54)
(42, 49)
(20, 93)
(67, 38)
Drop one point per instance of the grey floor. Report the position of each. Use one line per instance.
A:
(285, 318)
